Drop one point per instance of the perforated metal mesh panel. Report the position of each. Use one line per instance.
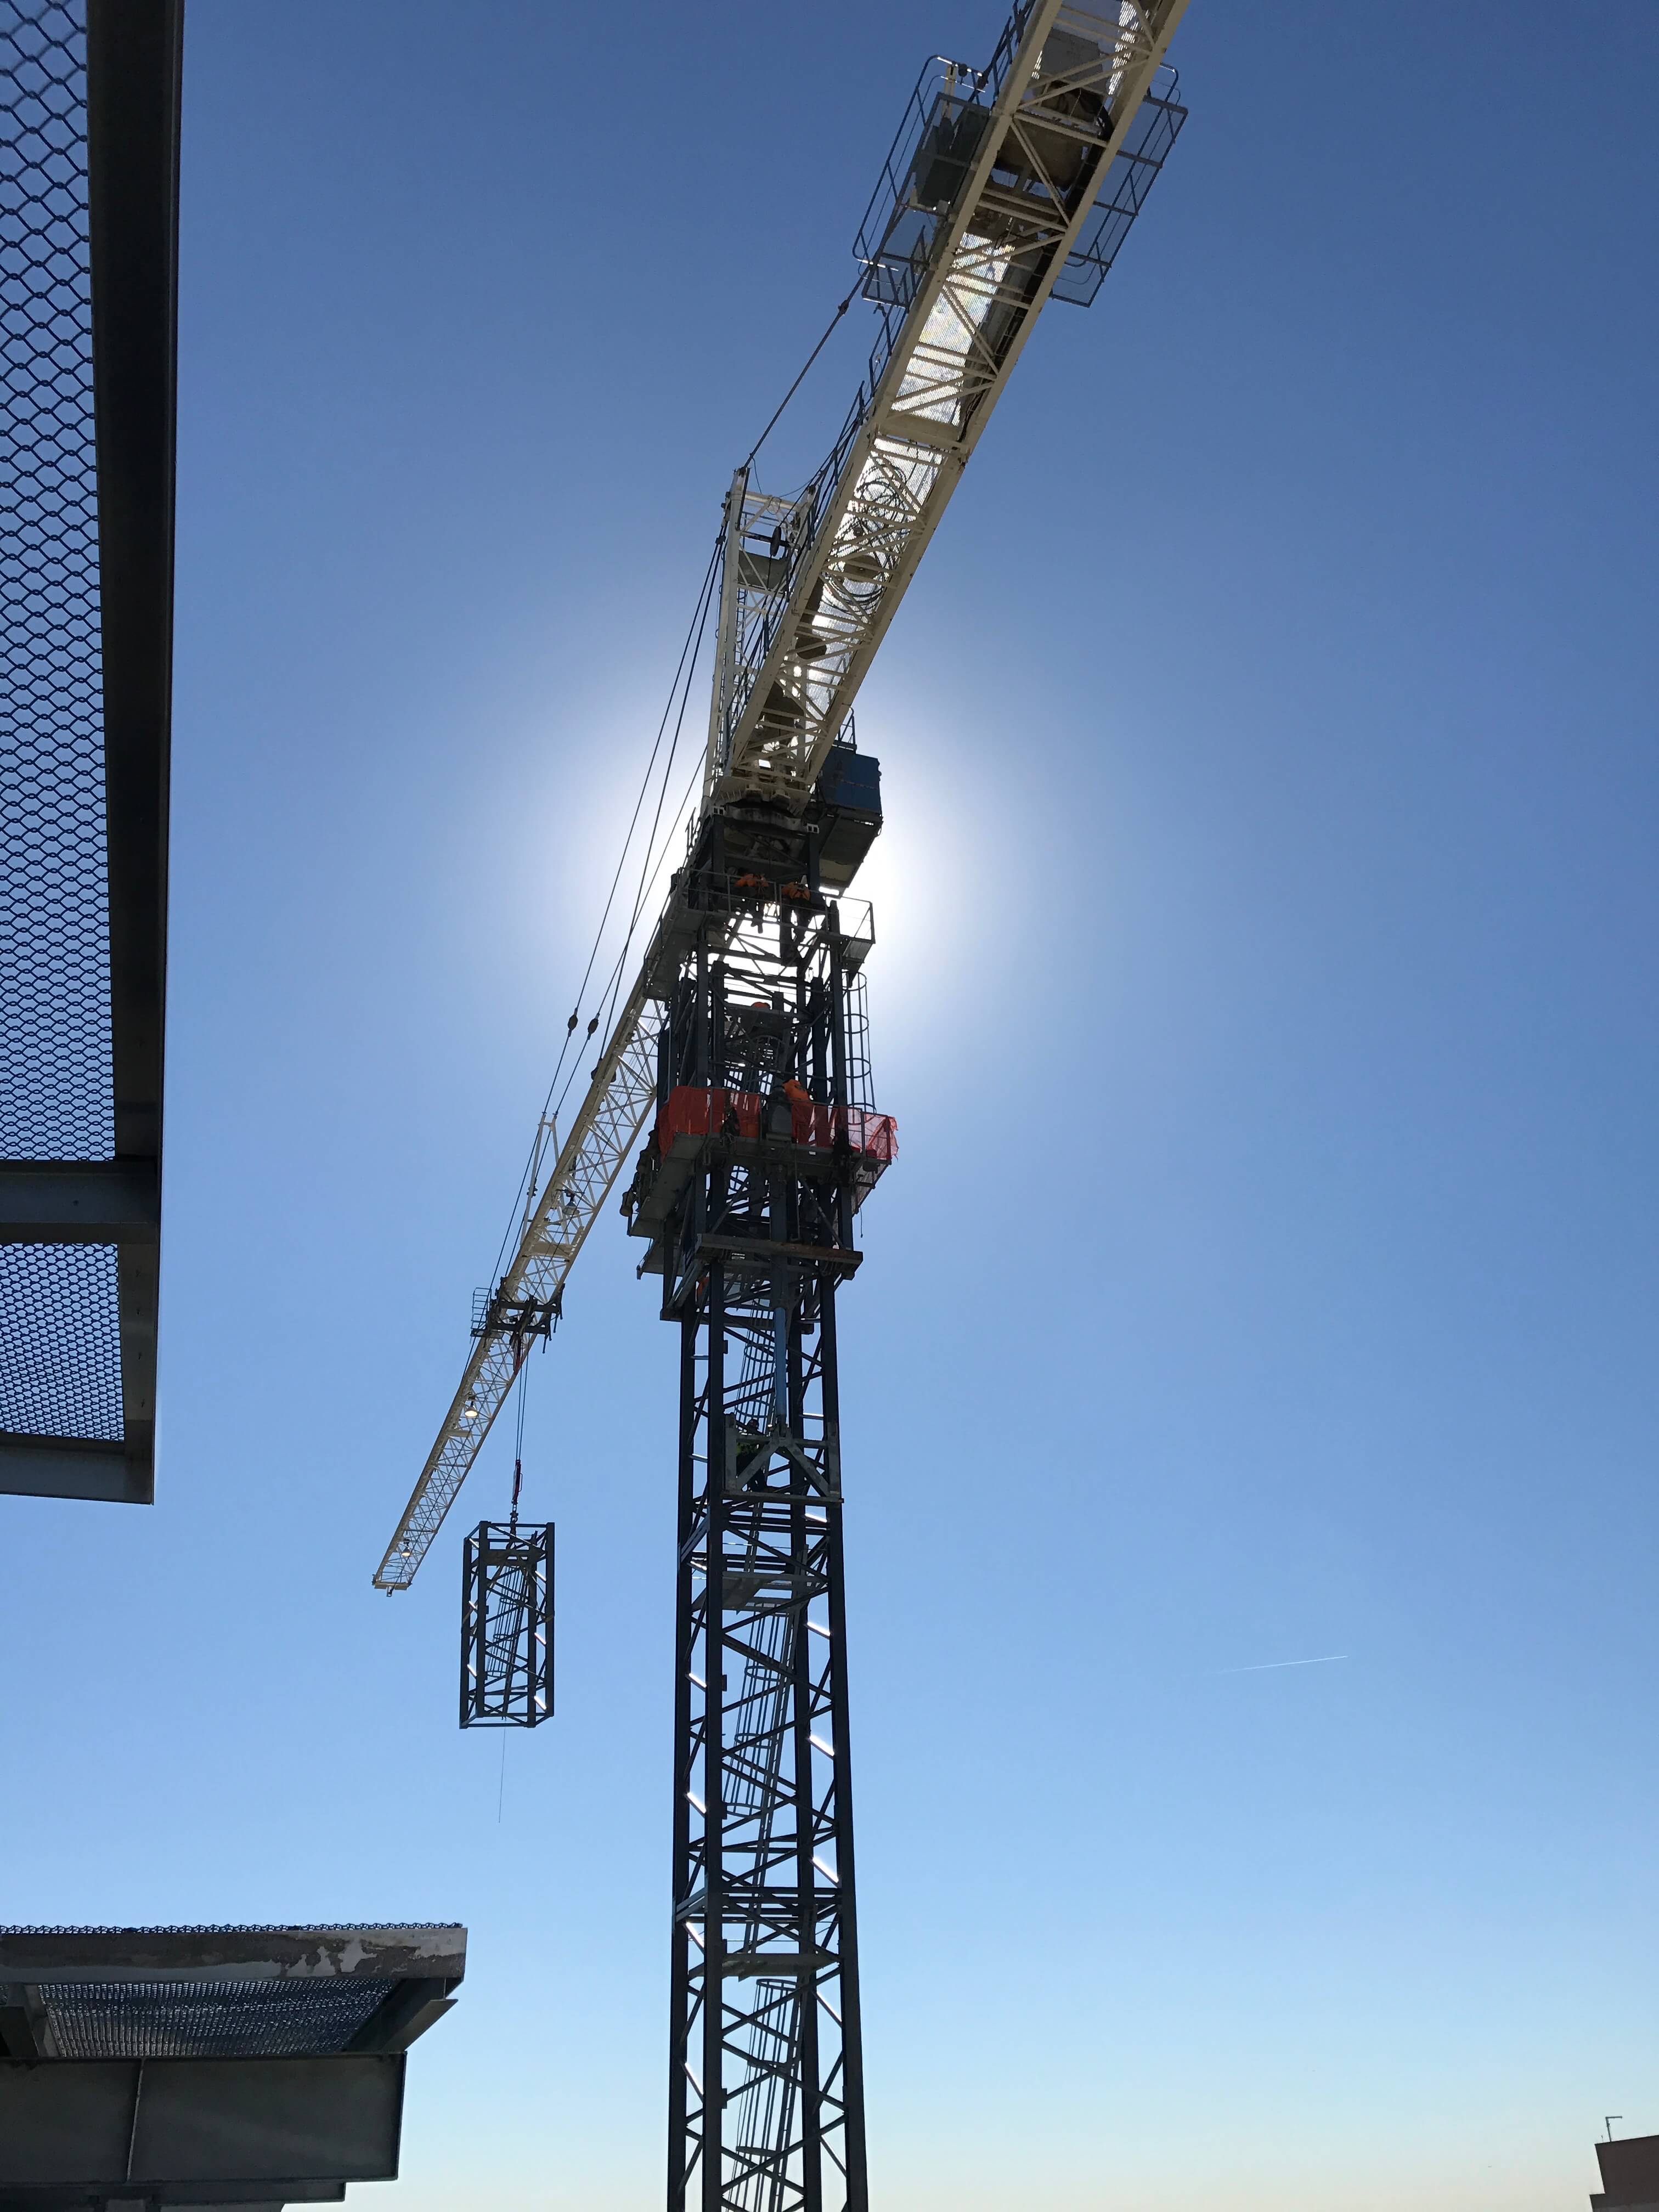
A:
(60, 1345)
(210, 2020)
(55, 1077)
(60, 1369)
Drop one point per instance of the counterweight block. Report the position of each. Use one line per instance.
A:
(506, 1624)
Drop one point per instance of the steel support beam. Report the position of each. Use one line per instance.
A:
(80, 1201)
(56, 1467)
(134, 51)
(133, 56)
(137, 2128)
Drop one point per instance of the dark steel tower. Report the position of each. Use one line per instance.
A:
(765, 1141)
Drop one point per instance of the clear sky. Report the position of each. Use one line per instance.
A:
(1266, 991)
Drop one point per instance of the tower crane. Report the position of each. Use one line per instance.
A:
(738, 1057)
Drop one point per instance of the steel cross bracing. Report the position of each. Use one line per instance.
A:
(556, 1224)
(763, 1991)
(811, 583)
(818, 578)
(506, 1624)
(766, 2083)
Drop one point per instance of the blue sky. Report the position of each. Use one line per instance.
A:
(1265, 989)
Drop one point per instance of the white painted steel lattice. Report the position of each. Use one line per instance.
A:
(581, 1180)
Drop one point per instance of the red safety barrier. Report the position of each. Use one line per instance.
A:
(875, 1135)
(809, 1123)
(692, 1111)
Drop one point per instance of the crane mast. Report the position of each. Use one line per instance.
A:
(746, 1198)
(739, 1057)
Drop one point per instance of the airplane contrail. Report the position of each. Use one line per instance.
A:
(1268, 1666)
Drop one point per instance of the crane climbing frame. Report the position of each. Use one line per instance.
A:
(1006, 187)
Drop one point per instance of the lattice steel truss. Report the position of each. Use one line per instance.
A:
(747, 1194)
(506, 1624)
(606, 1130)
(1006, 185)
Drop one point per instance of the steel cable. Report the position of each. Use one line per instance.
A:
(679, 689)
(610, 991)
(801, 378)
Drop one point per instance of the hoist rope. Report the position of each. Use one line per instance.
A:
(647, 866)
(693, 638)
(518, 1441)
(679, 689)
(801, 378)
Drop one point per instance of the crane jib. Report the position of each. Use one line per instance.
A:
(1006, 187)
(818, 578)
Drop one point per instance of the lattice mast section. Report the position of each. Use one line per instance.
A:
(506, 1624)
(766, 2085)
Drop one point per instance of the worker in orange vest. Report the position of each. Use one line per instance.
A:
(801, 1105)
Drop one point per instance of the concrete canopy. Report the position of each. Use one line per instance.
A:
(148, 2066)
